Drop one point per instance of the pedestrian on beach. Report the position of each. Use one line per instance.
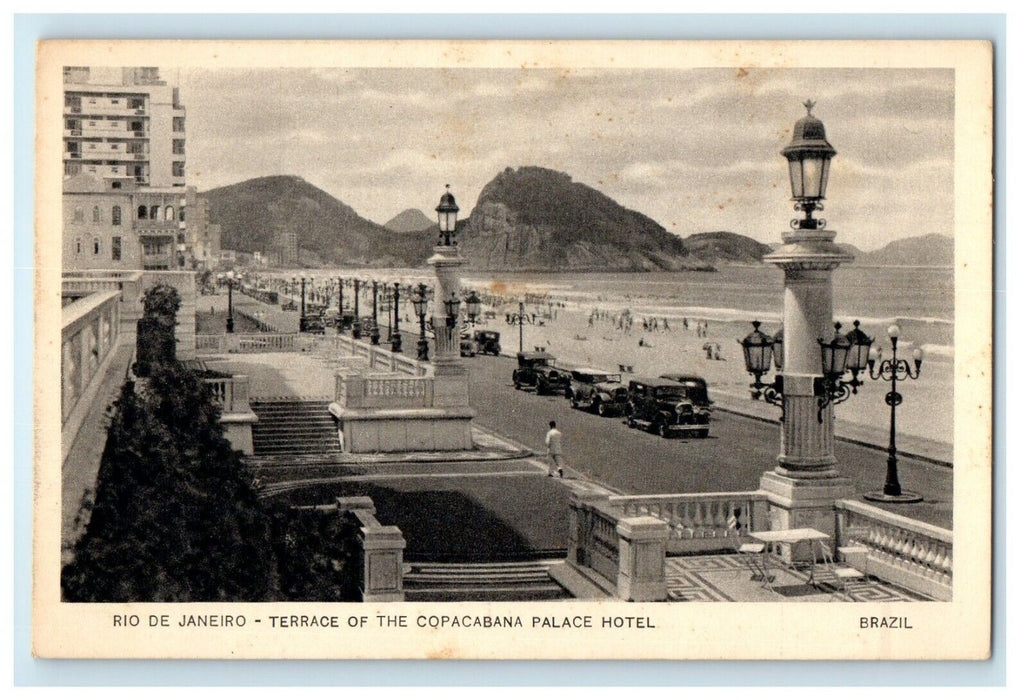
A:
(554, 448)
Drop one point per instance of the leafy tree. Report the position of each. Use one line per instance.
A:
(155, 331)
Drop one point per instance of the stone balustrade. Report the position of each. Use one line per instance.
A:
(380, 563)
(245, 343)
(623, 555)
(233, 393)
(699, 521)
(378, 357)
(900, 550)
(90, 328)
(354, 390)
(237, 418)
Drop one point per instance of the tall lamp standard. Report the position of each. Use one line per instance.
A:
(805, 483)
(447, 261)
(473, 307)
(375, 333)
(894, 370)
(397, 339)
(420, 303)
(230, 321)
(520, 326)
(356, 310)
(303, 304)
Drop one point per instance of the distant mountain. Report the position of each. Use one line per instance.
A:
(724, 246)
(533, 218)
(252, 215)
(408, 221)
(932, 249)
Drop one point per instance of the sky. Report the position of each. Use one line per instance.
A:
(694, 149)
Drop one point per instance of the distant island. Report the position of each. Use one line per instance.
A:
(526, 219)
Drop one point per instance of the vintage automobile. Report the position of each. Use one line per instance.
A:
(599, 391)
(487, 342)
(536, 369)
(312, 323)
(468, 348)
(668, 407)
(696, 385)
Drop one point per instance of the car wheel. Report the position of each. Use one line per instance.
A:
(631, 422)
(662, 430)
(517, 385)
(704, 433)
(602, 410)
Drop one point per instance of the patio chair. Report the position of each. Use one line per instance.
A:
(752, 551)
(841, 573)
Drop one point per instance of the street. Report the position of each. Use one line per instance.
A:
(737, 452)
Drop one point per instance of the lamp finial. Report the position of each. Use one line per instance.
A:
(808, 104)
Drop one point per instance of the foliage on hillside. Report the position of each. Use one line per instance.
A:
(254, 215)
(724, 246)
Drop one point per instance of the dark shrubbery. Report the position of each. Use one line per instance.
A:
(176, 516)
(155, 331)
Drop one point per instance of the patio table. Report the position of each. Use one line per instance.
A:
(794, 536)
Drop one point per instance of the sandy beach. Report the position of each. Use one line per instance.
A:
(569, 337)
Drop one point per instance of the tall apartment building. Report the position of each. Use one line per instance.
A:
(122, 122)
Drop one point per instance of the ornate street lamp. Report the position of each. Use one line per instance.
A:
(420, 303)
(447, 211)
(338, 323)
(809, 159)
(303, 304)
(843, 353)
(397, 339)
(375, 333)
(230, 321)
(452, 310)
(758, 350)
(520, 326)
(357, 330)
(894, 370)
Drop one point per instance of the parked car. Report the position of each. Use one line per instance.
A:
(537, 369)
(468, 348)
(487, 342)
(666, 407)
(312, 324)
(696, 386)
(598, 390)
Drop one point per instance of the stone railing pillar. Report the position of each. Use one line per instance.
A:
(641, 574)
(381, 560)
(579, 498)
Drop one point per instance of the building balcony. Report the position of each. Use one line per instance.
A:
(106, 110)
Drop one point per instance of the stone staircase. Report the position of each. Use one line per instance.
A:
(294, 427)
(528, 580)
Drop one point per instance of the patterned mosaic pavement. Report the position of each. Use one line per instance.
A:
(727, 577)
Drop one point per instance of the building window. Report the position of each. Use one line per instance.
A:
(80, 214)
(154, 212)
(96, 215)
(96, 246)
(141, 214)
(178, 124)
(181, 213)
(178, 168)
(116, 248)
(178, 146)
(72, 168)
(169, 213)
(115, 185)
(78, 246)
(136, 103)
(73, 147)
(116, 216)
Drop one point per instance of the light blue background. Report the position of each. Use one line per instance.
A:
(30, 28)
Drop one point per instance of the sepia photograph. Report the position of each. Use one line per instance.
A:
(513, 349)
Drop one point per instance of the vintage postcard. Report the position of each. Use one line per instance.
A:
(513, 350)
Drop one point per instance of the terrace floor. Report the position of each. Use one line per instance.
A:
(727, 578)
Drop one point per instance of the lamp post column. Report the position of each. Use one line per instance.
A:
(397, 339)
(447, 262)
(375, 333)
(357, 330)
